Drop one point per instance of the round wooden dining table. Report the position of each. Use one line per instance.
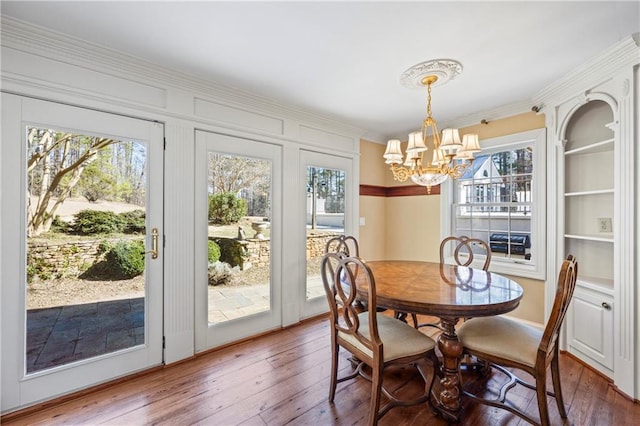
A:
(448, 292)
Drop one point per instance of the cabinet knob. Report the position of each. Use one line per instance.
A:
(606, 306)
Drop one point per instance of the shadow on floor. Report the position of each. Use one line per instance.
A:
(64, 334)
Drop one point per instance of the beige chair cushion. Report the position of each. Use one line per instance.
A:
(399, 339)
(501, 337)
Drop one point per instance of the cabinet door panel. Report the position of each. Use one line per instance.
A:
(591, 327)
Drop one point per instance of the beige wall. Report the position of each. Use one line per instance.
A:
(409, 227)
(413, 228)
(372, 235)
(373, 171)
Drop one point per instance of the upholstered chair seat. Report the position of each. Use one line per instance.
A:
(399, 340)
(502, 337)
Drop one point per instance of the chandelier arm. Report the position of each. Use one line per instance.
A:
(400, 173)
(458, 170)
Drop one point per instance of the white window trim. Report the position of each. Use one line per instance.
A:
(536, 269)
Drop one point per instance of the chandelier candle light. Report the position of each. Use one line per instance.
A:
(450, 156)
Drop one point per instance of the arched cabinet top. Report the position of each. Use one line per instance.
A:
(582, 106)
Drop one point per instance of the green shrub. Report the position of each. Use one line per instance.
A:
(38, 268)
(214, 252)
(90, 222)
(232, 251)
(126, 259)
(59, 225)
(226, 208)
(134, 222)
(105, 246)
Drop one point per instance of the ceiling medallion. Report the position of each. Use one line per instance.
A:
(443, 69)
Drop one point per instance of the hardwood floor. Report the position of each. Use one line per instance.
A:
(282, 378)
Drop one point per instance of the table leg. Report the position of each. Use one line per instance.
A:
(448, 399)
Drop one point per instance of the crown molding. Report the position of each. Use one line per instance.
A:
(624, 54)
(375, 137)
(493, 114)
(32, 39)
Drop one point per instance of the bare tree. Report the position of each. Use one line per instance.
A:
(249, 178)
(55, 164)
(231, 173)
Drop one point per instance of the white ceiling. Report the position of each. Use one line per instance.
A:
(344, 59)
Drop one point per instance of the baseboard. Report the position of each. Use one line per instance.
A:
(74, 395)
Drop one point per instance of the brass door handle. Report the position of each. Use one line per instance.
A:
(154, 244)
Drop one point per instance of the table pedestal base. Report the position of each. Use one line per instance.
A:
(447, 398)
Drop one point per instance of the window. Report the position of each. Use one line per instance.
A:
(500, 199)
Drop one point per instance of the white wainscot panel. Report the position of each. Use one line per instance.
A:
(228, 114)
(72, 78)
(327, 139)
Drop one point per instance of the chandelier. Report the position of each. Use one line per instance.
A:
(449, 156)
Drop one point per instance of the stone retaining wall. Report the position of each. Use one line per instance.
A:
(73, 258)
(259, 250)
(58, 260)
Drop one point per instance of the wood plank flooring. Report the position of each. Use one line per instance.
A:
(283, 378)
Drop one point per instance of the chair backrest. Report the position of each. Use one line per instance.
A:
(346, 244)
(566, 285)
(340, 277)
(464, 250)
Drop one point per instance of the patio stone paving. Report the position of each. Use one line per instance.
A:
(64, 334)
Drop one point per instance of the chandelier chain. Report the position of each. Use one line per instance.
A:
(429, 100)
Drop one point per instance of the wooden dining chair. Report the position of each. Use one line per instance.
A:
(505, 343)
(375, 340)
(463, 249)
(346, 244)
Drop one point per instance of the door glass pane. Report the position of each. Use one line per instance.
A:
(85, 292)
(325, 219)
(239, 263)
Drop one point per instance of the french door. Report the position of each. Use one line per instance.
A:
(81, 253)
(328, 212)
(238, 238)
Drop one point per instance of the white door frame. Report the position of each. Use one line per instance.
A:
(216, 334)
(18, 388)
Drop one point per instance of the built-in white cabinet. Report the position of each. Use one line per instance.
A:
(592, 205)
(588, 198)
(589, 192)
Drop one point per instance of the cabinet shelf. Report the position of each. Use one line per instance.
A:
(604, 237)
(603, 285)
(605, 145)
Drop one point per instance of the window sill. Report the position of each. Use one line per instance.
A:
(517, 268)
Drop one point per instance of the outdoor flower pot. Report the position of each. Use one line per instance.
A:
(259, 227)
